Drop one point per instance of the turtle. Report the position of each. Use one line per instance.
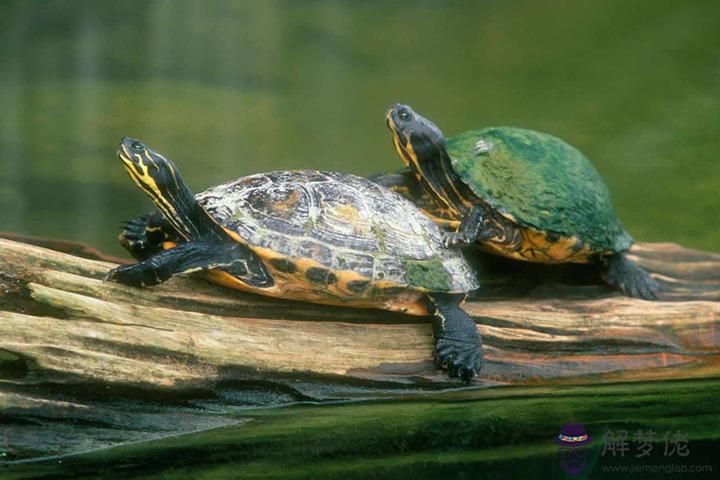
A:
(316, 236)
(514, 192)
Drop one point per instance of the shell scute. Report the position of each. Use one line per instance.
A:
(338, 222)
(541, 182)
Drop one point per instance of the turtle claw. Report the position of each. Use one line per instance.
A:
(461, 359)
(133, 235)
(644, 287)
(125, 274)
(630, 278)
(138, 239)
(456, 239)
(137, 275)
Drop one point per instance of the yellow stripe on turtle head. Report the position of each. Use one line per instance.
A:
(139, 172)
(403, 146)
(138, 167)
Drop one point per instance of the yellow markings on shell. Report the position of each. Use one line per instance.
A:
(296, 286)
(348, 212)
(287, 203)
(352, 216)
(537, 248)
(232, 234)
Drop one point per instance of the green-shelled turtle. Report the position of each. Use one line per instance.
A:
(518, 193)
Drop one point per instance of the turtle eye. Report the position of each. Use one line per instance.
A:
(403, 114)
(137, 147)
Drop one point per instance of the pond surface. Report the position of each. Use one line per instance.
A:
(231, 88)
(472, 434)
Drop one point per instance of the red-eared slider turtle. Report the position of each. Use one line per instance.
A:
(321, 237)
(518, 193)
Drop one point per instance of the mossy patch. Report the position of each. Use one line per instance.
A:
(380, 237)
(541, 181)
(428, 274)
(309, 226)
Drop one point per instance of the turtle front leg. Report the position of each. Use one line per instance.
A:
(144, 236)
(469, 231)
(234, 258)
(458, 345)
(163, 265)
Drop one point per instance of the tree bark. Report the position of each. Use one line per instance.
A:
(126, 362)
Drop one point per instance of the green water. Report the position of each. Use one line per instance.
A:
(231, 88)
(495, 433)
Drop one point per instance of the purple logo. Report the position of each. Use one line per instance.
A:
(572, 435)
(573, 453)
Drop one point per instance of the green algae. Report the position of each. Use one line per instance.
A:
(541, 181)
(452, 433)
(428, 274)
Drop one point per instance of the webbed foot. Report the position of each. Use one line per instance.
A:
(469, 231)
(628, 277)
(462, 358)
(143, 236)
(458, 345)
(462, 238)
(138, 275)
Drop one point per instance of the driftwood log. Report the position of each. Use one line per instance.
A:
(86, 363)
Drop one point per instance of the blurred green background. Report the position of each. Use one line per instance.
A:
(231, 88)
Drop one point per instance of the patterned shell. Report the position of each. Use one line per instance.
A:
(541, 182)
(342, 221)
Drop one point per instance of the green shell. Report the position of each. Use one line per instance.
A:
(541, 181)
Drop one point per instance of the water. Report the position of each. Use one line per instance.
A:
(231, 88)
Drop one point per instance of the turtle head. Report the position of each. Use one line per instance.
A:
(158, 177)
(152, 172)
(414, 136)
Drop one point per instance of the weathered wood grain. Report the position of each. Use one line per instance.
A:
(71, 343)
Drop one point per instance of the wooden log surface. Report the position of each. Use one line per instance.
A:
(86, 363)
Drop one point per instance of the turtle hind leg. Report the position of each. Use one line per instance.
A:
(458, 345)
(627, 276)
(234, 258)
(144, 236)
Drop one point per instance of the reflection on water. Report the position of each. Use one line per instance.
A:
(230, 88)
